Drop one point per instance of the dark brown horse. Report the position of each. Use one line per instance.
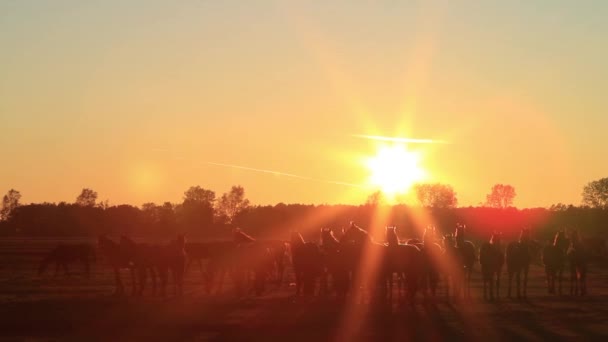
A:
(466, 249)
(306, 261)
(554, 259)
(333, 265)
(250, 258)
(64, 255)
(491, 259)
(406, 261)
(518, 256)
(117, 259)
(577, 258)
(432, 252)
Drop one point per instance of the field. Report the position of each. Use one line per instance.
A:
(79, 309)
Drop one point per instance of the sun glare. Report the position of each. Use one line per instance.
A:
(394, 169)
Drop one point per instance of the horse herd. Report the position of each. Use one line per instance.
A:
(352, 265)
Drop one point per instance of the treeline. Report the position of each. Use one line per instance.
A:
(203, 216)
(48, 219)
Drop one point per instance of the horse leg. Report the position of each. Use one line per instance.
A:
(133, 281)
(518, 283)
(87, 269)
(153, 277)
(498, 285)
(573, 279)
(142, 280)
(510, 278)
(583, 279)
(119, 286)
(526, 270)
(559, 281)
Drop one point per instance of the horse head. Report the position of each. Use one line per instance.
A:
(296, 238)
(496, 238)
(525, 234)
(448, 241)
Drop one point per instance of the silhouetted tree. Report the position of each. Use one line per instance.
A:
(197, 209)
(595, 194)
(10, 201)
(501, 196)
(436, 195)
(375, 199)
(231, 204)
(87, 198)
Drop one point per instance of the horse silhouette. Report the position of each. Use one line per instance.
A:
(117, 260)
(250, 258)
(407, 261)
(460, 257)
(333, 264)
(491, 259)
(432, 255)
(554, 259)
(518, 257)
(63, 255)
(577, 258)
(306, 261)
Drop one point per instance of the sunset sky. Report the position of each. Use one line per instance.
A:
(139, 100)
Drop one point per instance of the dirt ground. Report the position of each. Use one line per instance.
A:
(73, 308)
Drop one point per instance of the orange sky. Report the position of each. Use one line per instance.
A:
(134, 101)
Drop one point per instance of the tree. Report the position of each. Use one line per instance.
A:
(375, 199)
(501, 196)
(595, 194)
(10, 202)
(87, 198)
(436, 195)
(197, 209)
(231, 204)
(196, 194)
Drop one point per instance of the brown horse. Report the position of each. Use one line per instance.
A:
(333, 264)
(491, 259)
(250, 258)
(117, 259)
(432, 254)
(306, 261)
(519, 255)
(466, 257)
(406, 261)
(554, 259)
(577, 257)
(63, 255)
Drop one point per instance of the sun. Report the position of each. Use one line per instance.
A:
(394, 169)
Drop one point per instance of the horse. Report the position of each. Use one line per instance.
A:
(491, 259)
(278, 249)
(333, 264)
(117, 259)
(466, 250)
(554, 259)
(175, 257)
(306, 261)
(577, 257)
(63, 255)
(405, 260)
(432, 254)
(250, 258)
(518, 257)
(356, 243)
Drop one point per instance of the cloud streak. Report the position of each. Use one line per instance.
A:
(278, 173)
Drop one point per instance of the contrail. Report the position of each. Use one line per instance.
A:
(399, 139)
(277, 173)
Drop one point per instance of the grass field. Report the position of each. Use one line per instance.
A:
(79, 309)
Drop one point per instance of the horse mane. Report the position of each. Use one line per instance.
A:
(559, 237)
(391, 236)
(296, 238)
(354, 229)
(327, 235)
(239, 236)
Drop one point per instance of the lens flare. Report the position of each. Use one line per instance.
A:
(394, 169)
